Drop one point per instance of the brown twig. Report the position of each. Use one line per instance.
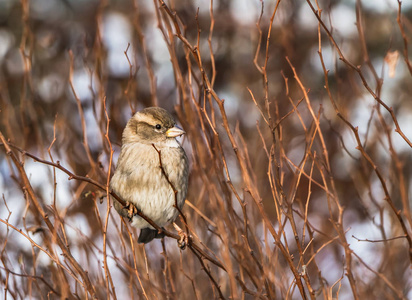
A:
(33, 198)
(113, 194)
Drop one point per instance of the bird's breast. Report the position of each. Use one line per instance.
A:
(140, 180)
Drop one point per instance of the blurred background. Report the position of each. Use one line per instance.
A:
(298, 136)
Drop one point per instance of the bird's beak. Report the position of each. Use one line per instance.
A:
(174, 132)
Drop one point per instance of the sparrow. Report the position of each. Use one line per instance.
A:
(151, 165)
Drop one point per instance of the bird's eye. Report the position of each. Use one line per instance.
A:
(158, 126)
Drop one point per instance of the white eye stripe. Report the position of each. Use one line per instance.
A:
(154, 120)
(146, 119)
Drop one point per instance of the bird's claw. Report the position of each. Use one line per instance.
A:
(183, 240)
(131, 210)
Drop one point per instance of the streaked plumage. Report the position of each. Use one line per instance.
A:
(138, 178)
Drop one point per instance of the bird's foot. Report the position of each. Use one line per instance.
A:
(131, 210)
(183, 241)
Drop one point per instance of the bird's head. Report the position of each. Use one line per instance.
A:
(153, 125)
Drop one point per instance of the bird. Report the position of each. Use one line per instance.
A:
(151, 167)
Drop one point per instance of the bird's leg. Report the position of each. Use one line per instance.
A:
(184, 239)
(131, 210)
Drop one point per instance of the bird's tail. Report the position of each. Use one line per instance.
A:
(148, 234)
